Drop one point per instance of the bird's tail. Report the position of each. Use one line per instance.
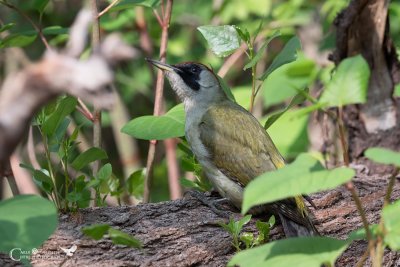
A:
(293, 229)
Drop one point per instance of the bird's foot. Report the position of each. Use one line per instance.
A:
(214, 205)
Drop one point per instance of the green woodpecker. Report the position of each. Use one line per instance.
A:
(229, 142)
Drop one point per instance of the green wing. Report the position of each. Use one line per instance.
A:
(239, 146)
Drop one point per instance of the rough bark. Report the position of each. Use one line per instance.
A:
(363, 28)
(185, 233)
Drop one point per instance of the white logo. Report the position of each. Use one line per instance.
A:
(69, 251)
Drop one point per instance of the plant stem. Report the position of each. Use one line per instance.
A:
(158, 98)
(105, 10)
(253, 78)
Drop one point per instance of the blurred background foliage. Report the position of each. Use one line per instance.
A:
(135, 81)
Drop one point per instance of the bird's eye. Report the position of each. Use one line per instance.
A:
(193, 70)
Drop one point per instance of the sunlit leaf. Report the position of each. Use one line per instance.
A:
(304, 176)
(391, 219)
(169, 125)
(383, 155)
(121, 238)
(17, 40)
(96, 231)
(349, 84)
(222, 40)
(299, 252)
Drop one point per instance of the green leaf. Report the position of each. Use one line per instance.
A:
(6, 27)
(360, 234)
(383, 156)
(26, 221)
(223, 40)
(105, 172)
(40, 5)
(64, 108)
(96, 231)
(302, 177)
(169, 125)
(261, 51)
(39, 175)
(243, 34)
(17, 40)
(391, 219)
(90, 155)
(135, 183)
(121, 238)
(349, 85)
(226, 89)
(299, 252)
(247, 239)
(124, 4)
(287, 55)
(297, 99)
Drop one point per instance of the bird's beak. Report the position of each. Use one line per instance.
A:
(161, 65)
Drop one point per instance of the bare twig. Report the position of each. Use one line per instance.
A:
(231, 60)
(158, 98)
(105, 10)
(37, 29)
(173, 169)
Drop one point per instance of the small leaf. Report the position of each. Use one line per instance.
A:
(223, 40)
(244, 35)
(6, 27)
(360, 234)
(302, 177)
(90, 155)
(383, 156)
(121, 238)
(397, 90)
(39, 175)
(169, 125)
(391, 219)
(349, 85)
(64, 108)
(296, 100)
(261, 51)
(135, 183)
(247, 239)
(40, 5)
(17, 40)
(105, 172)
(299, 252)
(287, 55)
(96, 231)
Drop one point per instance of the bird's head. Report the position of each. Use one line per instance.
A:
(194, 83)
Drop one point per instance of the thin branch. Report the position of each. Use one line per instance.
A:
(231, 60)
(105, 10)
(173, 169)
(96, 112)
(160, 21)
(37, 29)
(85, 110)
(158, 99)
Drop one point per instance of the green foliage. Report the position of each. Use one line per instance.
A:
(391, 219)
(383, 155)
(26, 221)
(97, 231)
(300, 252)
(65, 107)
(88, 156)
(349, 84)
(169, 125)
(135, 183)
(396, 92)
(304, 176)
(239, 238)
(287, 55)
(223, 40)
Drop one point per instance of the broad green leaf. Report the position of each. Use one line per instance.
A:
(287, 55)
(169, 125)
(40, 5)
(297, 99)
(299, 252)
(6, 27)
(226, 89)
(397, 91)
(124, 4)
(349, 84)
(96, 231)
(303, 176)
(17, 40)
(391, 219)
(39, 175)
(90, 155)
(383, 155)
(26, 221)
(135, 183)
(223, 40)
(261, 51)
(64, 108)
(121, 238)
